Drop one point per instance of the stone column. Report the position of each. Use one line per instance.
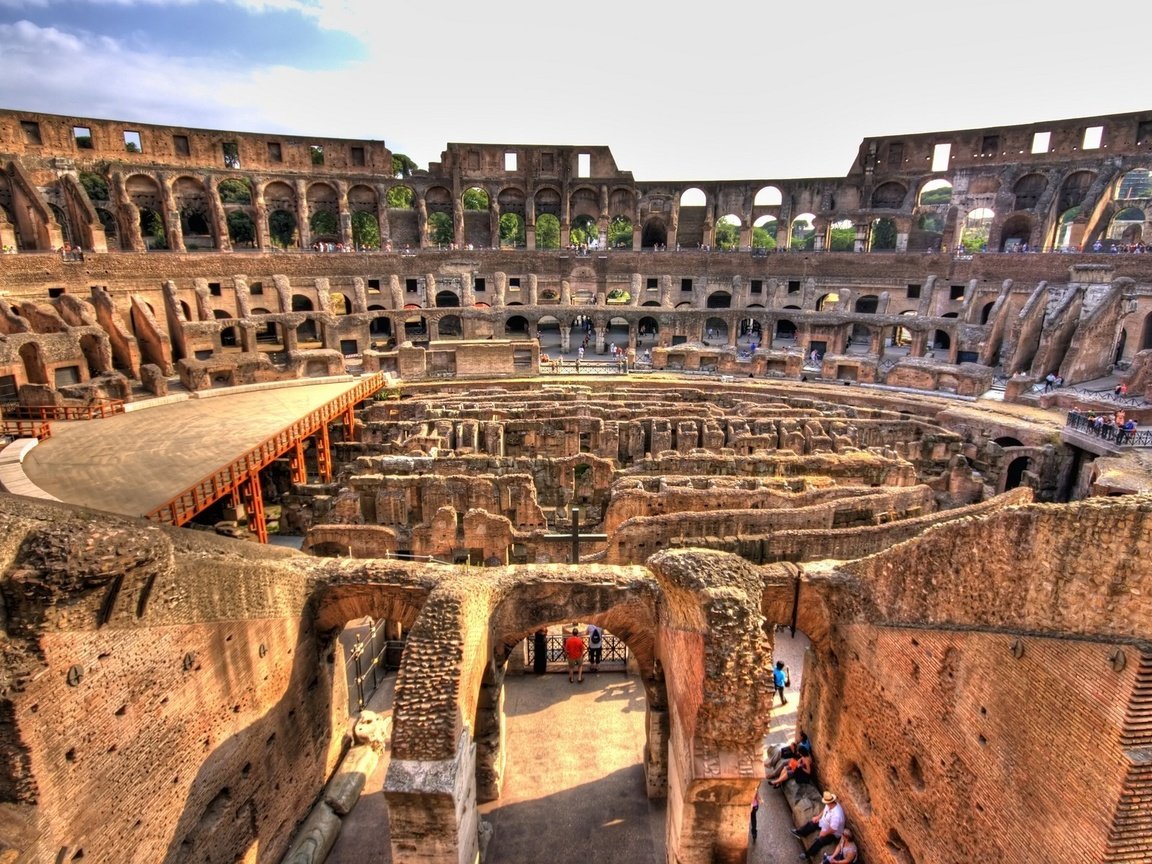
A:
(499, 289)
(382, 216)
(467, 291)
(263, 239)
(217, 214)
(395, 292)
(533, 290)
(303, 231)
(171, 216)
(345, 215)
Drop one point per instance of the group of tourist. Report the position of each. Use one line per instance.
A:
(574, 651)
(829, 827)
(1111, 426)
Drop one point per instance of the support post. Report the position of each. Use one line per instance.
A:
(324, 455)
(298, 464)
(254, 503)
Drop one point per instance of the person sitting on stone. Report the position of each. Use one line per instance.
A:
(798, 746)
(798, 768)
(828, 826)
(845, 851)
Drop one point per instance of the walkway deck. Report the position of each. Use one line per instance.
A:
(132, 463)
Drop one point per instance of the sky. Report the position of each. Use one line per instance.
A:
(743, 90)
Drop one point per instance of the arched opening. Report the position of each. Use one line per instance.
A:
(986, 312)
(764, 232)
(802, 235)
(307, 335)
(1135, 184)
(365, 230)
(716, 330)
(882, 236)
(1028, 190)
(727, 234)
(300, 303)
(415, 329)
(941, 340)
(191, 200)
(842, 236)
(1014, 475)
(512, 233)
(450, 326)
(475, 199)
(1146, 339)
(1016, 233)
(1127, 226)
(827, 302)
(516, 326)
(785, 329)
(1120, 343)
(768, 196)
(447, 300)
(867, 304)
(241, 229)
(617, 334)
(282, 229)
(648, 331)
(719, 300)
(152, 229)
(440, 232)
(548, 330)
(935, 192)
(34, 368)
(234, 191)
(693, 197)
(584, 232)
(902, 336)
(620, 233)
(888, 196)
(655, 233)
(1008, 441)
(381, 326)
(977, 226)
(547, 232)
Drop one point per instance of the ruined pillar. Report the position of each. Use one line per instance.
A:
(175, 231)
(716, 672)
(533, 290)
(303, 230)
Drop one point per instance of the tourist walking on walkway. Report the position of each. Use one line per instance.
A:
(781, 679)
(574, 651)
(755, 809)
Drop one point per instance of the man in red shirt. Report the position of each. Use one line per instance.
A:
(574, 651)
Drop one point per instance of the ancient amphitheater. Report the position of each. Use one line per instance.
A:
(543, 391)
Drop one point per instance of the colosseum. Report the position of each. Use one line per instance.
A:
(903, 412)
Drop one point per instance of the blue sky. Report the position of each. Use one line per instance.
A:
(735, 90)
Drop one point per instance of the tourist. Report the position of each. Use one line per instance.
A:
(781, 678)
(1049, 380)
(798, 768)
(1120, 389)
(829, 823)
(595, 647)
(1126, 432)
(845, 851)
(755, 810)
(574, 651)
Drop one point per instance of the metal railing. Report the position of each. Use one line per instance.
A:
(1109, 432)
(26, 429)
(613, 649)
(15, 411)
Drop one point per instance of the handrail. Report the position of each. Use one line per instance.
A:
(64, 412)
(26, 429)
(179, 509)
(1109, 432)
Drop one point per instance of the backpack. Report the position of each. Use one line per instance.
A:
(594, 640)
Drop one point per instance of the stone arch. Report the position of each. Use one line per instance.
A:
(1146, 337)
(866, 304)
(935, 192)
(1028, 190)
(447, 299)
(516, 325)
(1016, 232)
(768, 196)
(1134, 184)
(195, 209)
(719, 300)
(654, 233)
(1014, 472)
(450, 325)
(889, 196)
(802, 232)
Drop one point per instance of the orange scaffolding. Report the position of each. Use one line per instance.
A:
(241, 478)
